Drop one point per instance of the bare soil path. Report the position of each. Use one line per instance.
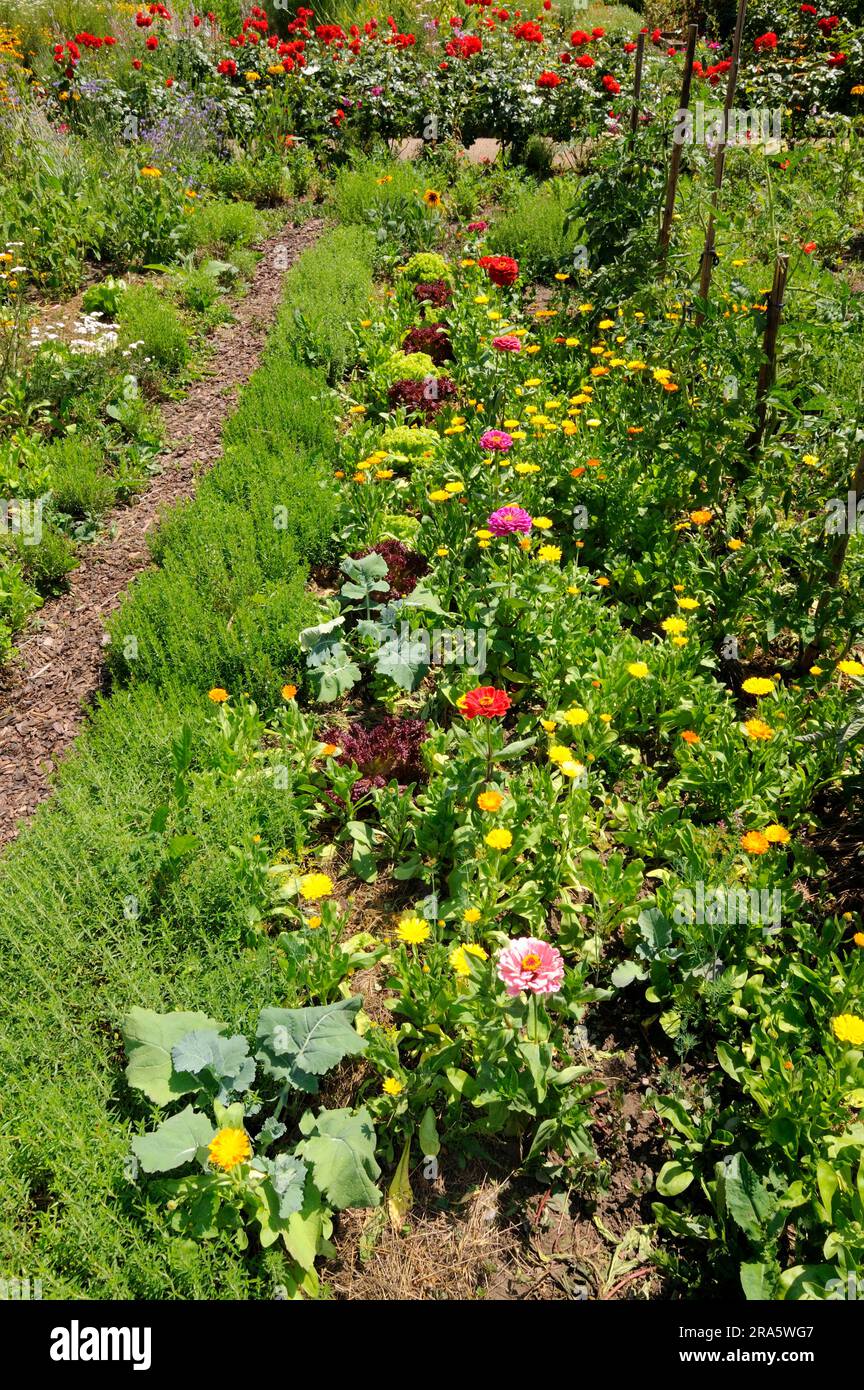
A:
(45, 692)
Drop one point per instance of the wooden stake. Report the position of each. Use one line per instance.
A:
(637, 81)
(675, 158)
(720, 162)
(769, 350)
(835, 569)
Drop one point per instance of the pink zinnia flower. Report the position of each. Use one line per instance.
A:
(507, 520)
(477, 226)
(508, 342)
(531, 964)
(496, 441)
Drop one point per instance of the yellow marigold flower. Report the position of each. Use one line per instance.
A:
(849, 1028)
(758, 685)
(542, 523)
(499, 838)
(701, 517)
(755, 842)
(313, 887)
(459, 957)
(228, 1148)
(392, 1087)
(602, 582)
(413, 930)
(735, 544)
(758, 729)
(471, 915)
(489, 801)
(550, 553)
(850, 668)
(558, 752)
(313, 922)
(575, 716)
(638, 669)
(674, 625)
(688, 603)
(439, 495)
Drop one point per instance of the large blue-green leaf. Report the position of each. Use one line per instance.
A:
(222, 1064)
(175, 1142)
(149, 1038)
(299, 1045)
(340, 1148)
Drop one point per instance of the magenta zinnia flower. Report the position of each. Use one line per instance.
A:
(496, 441)
(531, 964)
(508, 342)
(507, 520)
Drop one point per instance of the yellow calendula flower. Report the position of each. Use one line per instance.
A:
(575, 716)
(688, 604)
(849, 1028)
(758, 729)
(229, 1148)
(459, 957)
(735, 545)
(314, 887)
(559, 752)
(151, 172)
(392, 1087)
(571, 768)
(499, 838)
(758, 685)
(218, 695)
(471, 915)
(549, 553)
(638, 670)
(674, 625)
(777, 834)
(440, 495)
(850, 668)
(701, 517)
(413, 930)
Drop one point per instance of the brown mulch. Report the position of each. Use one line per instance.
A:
(44, 694)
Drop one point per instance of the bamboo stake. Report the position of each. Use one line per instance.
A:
(720, 163)
(835, 569)
(769, 350)
(677, 145)
(637, 81)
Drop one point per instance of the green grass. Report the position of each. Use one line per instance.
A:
(96, 916)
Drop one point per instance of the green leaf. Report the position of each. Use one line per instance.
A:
(400, 1198)
(340, 1148)
(176, 1141)
(430, 1144)
(673, 1178)
(748, 1200)
(759, 1282)
(299, 1045)
(149, 1038)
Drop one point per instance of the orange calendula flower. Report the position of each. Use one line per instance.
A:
(701, 517)
(490, 801)
(217, 695)
(288, 692)
(755, 842)
(689, 736)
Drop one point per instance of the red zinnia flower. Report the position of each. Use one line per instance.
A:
(485, 701)
(501, 270)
